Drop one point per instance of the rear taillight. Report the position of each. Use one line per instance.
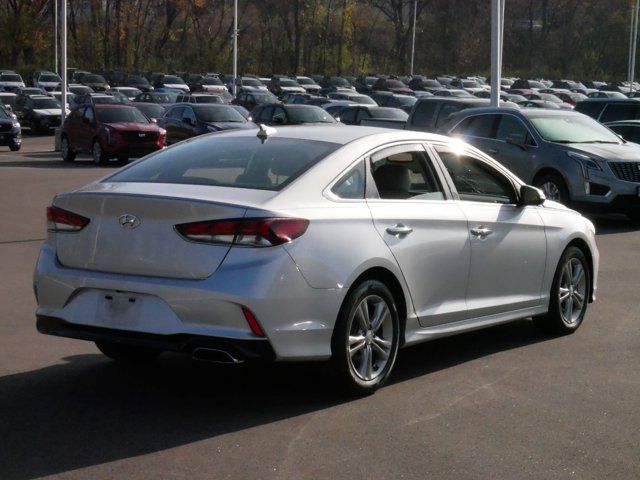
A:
(161, 136)
(248, 232)
(59, 220)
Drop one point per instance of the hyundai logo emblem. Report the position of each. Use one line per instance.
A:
(129, 221)
(141, 135)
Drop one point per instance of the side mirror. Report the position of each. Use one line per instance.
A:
(517, 140)
(531, 196)
(153, 120)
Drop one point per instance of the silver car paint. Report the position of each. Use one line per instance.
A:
(296, 291)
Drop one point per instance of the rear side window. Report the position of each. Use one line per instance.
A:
(243, 162)
(351, 185)
(592, 109)
(620, 111)
(477, 126)
(423, 114)
(446, 111)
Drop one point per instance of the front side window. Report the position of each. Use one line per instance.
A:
(513, 127)
(405, 173)
(446, 111)
(89, 115)
(423, 114)
(475, 180)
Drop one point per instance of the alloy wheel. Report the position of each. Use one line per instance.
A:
(551, 191)
(97, 152)
(370, 337)
(573, 291)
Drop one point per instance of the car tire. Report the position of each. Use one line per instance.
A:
(634, 216)
(366, 338)
(36, 128)
(127, 353)
(68, 155)
(569, 296)
(14, 147)
(553, 187)
(97, 153)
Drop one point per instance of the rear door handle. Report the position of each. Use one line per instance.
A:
(481, 232)
(399, 229)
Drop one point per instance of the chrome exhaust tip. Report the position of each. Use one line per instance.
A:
(214, 355)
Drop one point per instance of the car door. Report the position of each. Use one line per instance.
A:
(73, 125)
(515, 147)
(508, 241)
(171, 122)
(424, 228)
(86, 129)
(279, 116)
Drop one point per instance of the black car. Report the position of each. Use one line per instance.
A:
(10, 131)
(425, 84)
(288, 114)
(151, 110)
(183, 121)
(627, 129)
(39, 112)
(363, 84)
(137, 81)
(607, 110)
(353, 97)
(96, 82)
(250, 100)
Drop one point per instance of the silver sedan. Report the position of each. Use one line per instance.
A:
(309, 243)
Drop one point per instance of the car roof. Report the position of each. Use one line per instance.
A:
(111, 105)
(524, 112)
(635, 123)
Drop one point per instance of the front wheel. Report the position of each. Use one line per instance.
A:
(99, 158)
(127, 353)
(570, 294)
(553, 187)
(366, 337)
(14, 147)
(68, 155)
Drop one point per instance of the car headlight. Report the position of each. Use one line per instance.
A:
(16, 124)
(586, 162)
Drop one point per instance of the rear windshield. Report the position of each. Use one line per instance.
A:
(393, 113)
(309, 114)
(9, 77)
(251, 82)
(40, 103)
(288, 83)
(8, 99)
(117, 115)
(49, 78)
(138, 79)
(93, 79)
(395, 84)
(305, 81)
(211, 81)
(172, 80)
(242, 162)
(361, 99)
(165, 97)
(208, 99)
(219, 114)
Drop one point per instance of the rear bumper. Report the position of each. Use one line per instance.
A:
(249, 350)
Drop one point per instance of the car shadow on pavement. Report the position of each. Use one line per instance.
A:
(613, 223)
(87, 410)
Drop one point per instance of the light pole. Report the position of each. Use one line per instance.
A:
(496, 49)
(235, 46)
(413, 39)
(63, 58)
(55, 34)
(633, 42)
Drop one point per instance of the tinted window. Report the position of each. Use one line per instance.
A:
(172, 80)
(119, 115)
(632, 134)
(176, 113)
(348, 115)
(475, 180)
(188, 115)
(219, 114)
(446, 111)
(620, 111)
(351, 185)
(477, 126)
(511, 126)
(423, 114)
(392, 113)
(8, 77)
(403, 173)
(88, 114)
(243, 162)
(43, 103)
(309, 114)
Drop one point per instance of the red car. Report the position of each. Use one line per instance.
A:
(109, 131)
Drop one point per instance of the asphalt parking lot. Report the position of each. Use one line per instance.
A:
(503, 403)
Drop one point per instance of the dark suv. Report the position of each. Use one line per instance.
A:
(39, 112)
(607, 110)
